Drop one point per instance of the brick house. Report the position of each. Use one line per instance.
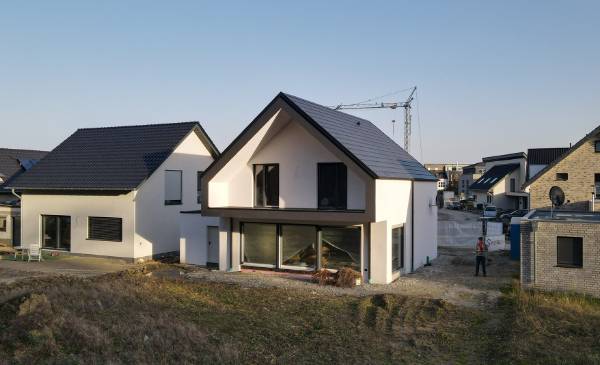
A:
(576, 172)
(561, 251)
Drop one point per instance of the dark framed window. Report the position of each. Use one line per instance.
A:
(332, 186)
(3, 224)
(597, 185)
(562, 176)
(105, 229)
(199, 186)
(266, 185)
(569, 252)
(259, 241)
(513, 185)
(56, 232)
(398, 248)
(597, 146)
(173, 187)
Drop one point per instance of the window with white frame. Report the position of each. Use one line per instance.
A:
(3, 221)
(173, 187)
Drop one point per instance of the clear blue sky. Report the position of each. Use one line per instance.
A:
(493, 76)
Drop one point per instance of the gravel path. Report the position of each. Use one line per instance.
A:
(449, 278)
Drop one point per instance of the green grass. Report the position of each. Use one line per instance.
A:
(132, 317)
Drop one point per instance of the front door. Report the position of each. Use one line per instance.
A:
(213, 245)
(56, 232)
(16, 231)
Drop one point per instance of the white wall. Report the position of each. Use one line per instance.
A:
(193, 240)
(157, 224)
(297, 152)
(79, 208)
(425, 222)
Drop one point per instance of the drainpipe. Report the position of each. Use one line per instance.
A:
(412, 226)
(15, 194)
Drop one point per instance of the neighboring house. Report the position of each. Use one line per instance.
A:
(115, 191)
(470, 174)
(539, 158)
(576, 172)
(305, 187)
(559, 251)
(13, 162)
(501, 183)
(448, 174)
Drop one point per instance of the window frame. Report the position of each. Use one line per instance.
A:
(562, 176)
(89, 238)
(563, 263)
(513, 185)
(597, 185)
(175, 201)
(264, 204)
(597, 146)
(4, 227)
(401, 251)
(199, 175)
(344, 196)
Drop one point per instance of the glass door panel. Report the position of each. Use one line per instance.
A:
(299, 246)
(340, 247)
(260, 244)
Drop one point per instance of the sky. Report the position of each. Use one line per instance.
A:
(492, 77)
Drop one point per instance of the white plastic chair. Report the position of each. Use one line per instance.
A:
(34, 252)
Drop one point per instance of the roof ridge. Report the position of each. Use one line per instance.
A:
(21, 150)
(140, 125)
(323, 106)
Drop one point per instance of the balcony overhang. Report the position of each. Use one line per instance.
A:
(296, 215)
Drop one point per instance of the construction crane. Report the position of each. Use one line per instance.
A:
(393, 105)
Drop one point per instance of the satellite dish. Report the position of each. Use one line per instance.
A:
(557, 196)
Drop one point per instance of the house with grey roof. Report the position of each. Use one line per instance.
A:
(115, 191)
(305, 187)
(13, 162)
(501, 183)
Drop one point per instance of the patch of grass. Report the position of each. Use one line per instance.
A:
(134, 317)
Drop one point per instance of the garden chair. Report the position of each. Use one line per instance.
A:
(20, 251)
(34, 252)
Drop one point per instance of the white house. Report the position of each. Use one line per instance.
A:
(115, 191)
(501, 183)
(305, 187)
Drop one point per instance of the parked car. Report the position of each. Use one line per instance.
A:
(454, 206)
(467, 204)
(490, 211)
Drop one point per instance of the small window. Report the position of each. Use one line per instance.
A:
(569, 252)
(266, 185)
(173, 187)
(513, 185)
(562, 176)
(597, 185)
(397, 248)
(597, 146)
(105, 229)
(199, 186)
(332, 186)
(2, 224)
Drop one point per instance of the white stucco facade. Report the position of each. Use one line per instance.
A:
(149, 226)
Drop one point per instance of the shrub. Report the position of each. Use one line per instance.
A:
(323, 277)
(346, 277)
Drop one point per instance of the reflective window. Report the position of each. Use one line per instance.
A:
(299, 245)
(340, 247)
(260, 243)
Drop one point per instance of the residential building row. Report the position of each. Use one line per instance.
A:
(302, 188)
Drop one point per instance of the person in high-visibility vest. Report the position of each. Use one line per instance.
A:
(480, 256)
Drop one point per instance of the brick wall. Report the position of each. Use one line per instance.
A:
(581, 165)
(539, 262)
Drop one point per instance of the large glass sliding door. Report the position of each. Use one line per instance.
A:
(301, 247)
(340, 247)
(260, 244)
(56, 232)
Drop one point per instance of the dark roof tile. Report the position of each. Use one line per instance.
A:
(493, 176)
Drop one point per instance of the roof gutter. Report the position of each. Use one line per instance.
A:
(12, 191)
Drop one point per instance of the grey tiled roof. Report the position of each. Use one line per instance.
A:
(493, 176)
(544, 156)
(363, 141)
(111, 158)
(13, 162)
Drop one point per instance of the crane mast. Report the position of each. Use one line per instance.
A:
(393, 105)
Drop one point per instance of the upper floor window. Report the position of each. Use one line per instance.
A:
(173, 187)
(513, 185)
(597, 146)
(562, 176)
(266, 185)
(199, 186)
(332, 185)
(597, 185)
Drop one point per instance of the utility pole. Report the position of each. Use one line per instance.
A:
(394, 105)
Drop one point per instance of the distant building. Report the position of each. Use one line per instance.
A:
(501, 183)
(539, 158)
(448, 174)
(470, 174)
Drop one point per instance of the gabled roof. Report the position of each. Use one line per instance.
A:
(14, 162)
(544, 156)
(509, 156)
(587, 137)
(377, 153)
(111, 158)
(493, 176)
